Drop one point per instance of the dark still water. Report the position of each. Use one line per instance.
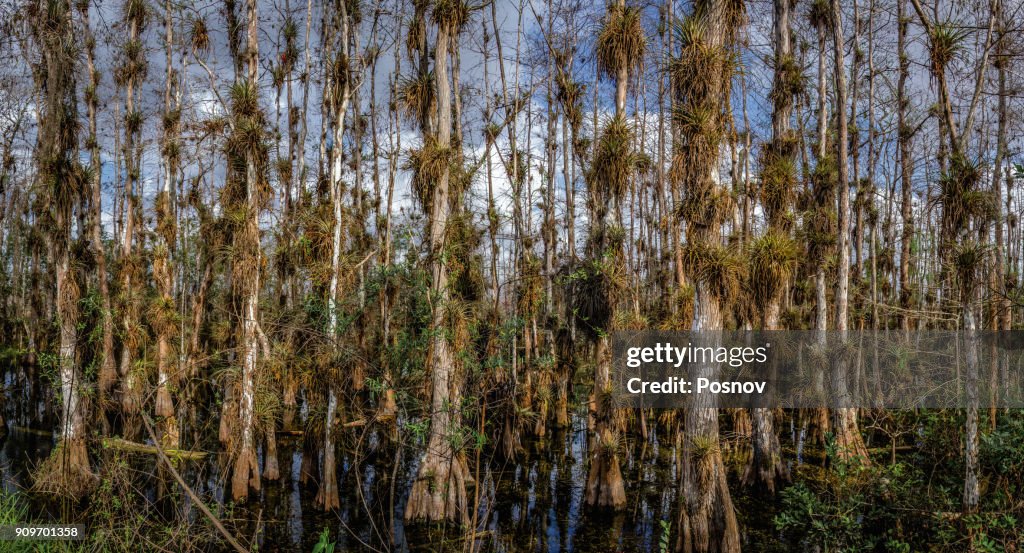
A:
(533, 503)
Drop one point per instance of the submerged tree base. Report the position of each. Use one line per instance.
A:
(327, 494)
(439, 492)
(708, 519)
(765, 470)
(66, 473)
(246, 475)
(605, 487)
(849, 443)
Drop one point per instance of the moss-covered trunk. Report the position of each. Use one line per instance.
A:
(439, 491)
(59, 180)
(246, 470)
(701, 84)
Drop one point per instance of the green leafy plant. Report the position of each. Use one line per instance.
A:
(324, 545)
(666, 534)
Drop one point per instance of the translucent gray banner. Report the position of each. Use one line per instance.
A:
(800, 369)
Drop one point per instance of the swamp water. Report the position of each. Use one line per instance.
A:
(533, 504)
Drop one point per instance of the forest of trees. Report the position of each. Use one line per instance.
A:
(374, 252)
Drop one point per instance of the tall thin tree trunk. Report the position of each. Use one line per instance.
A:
(107, 368)
(163, 266)
(847, 433)
(999, 174)
(439, 491)
(327, 495)
(854, 93)
(131, 270)
(708, 519)
(67, 471)
(246, 472)
(904, 139)
(767, 469)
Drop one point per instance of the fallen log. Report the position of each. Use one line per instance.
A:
(35, 431)
(887, 449)
(351, 424)
(121, 444)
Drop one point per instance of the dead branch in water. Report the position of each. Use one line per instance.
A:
(135, 447)
(188, 490)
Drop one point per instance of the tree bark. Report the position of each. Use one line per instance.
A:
(107, 370)
(163, 266)
(131, 270)
(246, 472)
(708, 520)
(327, 497)
(905, 139)
(67, 471)
(849, 442)
(766, 468)
(439, 491)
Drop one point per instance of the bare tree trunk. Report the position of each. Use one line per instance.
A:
(858, 208)
(871, 187)
(1001, 308)
(999, 175)
(904, 139)
(300, 172)
(569, 180)
(388, 406)
(849, 441)
(971, 492)
(108, 370)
